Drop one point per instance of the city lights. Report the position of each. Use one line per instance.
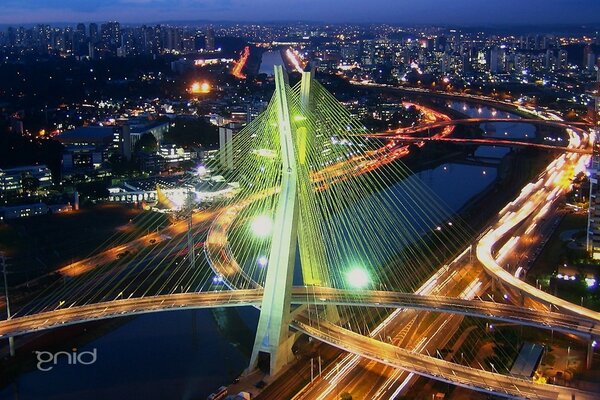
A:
(323, 174)
(200, 88)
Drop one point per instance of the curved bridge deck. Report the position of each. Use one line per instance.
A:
(300, 295)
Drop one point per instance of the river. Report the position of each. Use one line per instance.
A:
(269, 60)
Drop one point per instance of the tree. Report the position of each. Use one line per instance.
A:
(30, 184)
(193, 132)
(147, 144)
(93, 190)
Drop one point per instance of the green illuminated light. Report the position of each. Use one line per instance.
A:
(262, 226)
(357, 278)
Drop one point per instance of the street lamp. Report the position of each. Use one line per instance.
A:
(262, 261)
(357, 278)
(262, 226)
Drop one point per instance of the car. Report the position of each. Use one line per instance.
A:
(122, 255)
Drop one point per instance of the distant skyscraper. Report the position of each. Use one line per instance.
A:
(173, 42)
(111, 33)
(495, 60)
(81, 29)
(210, 39)
(562, 59)
(94, 32)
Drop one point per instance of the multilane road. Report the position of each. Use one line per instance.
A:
(455, 374)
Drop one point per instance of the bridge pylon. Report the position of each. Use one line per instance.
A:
(272, 347)
(291, 231)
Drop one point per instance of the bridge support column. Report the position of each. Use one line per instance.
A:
(590, 354)
(472, 252)
(272, 347)
(522, 298)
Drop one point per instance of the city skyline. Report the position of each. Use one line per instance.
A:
(463, 12)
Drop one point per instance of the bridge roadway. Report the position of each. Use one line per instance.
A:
(300, 295)
(493, 142)
(455, 374)
(532, 205)
(441, 124)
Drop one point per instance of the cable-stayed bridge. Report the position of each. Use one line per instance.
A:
(323, 215)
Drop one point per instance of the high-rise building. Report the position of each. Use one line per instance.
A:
(210, 40)
(562, 60)
(81, 29)
(173, 42)
(94, 37)
(226, 153)
(593, 229)
(110, 33)
(497, 60)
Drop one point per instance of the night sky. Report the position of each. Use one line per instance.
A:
(465, 12)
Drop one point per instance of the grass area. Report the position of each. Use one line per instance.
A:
(44, 243)
(556, 250)
(555, 253)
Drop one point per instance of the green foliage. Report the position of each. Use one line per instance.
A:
(30, 184)
(146, 144)
(193, 132)
(94, 190)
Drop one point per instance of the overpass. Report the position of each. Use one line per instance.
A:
(465, 121)
(310, 295)
(489, 142)
(435, 368)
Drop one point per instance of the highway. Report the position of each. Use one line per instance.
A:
(492, 142)
(368, 347)
(532, 205)
(238, 66)
(421, 332)
(372, 380)
(444, 123)
(431, 367)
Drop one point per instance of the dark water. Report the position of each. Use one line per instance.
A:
(269, 60)
(166, 355)
(495, 129)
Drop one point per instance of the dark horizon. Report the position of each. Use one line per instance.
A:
(468, 13)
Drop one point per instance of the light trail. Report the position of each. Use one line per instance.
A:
(551, 185)
(295, 59)
(239, 65)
